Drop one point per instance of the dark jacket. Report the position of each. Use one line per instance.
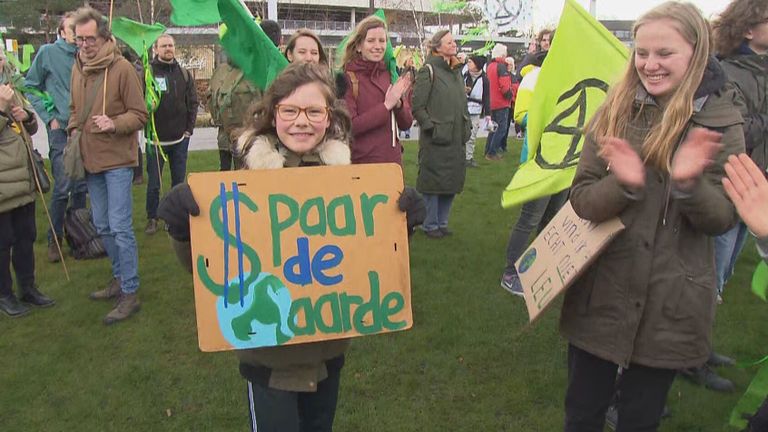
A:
(440, 107)
(373, 131)
(229, 98)
(749, 73)
(17, 186)
(649, 298)
(499, 83)
(177, 111)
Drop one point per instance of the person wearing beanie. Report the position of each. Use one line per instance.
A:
(476, 86)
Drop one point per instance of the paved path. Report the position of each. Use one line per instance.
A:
(203, 139)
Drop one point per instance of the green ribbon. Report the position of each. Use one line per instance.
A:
(152, 95)
(760, 280)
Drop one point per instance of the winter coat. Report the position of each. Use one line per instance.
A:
(749, 73)
(499, 84)
(17, 186)
(125, 106)
(649, 298)
(51, 72)
(440, 107)
(373, 126)
(290, 367)
(177, 111)
(478, 97)
(229, 98)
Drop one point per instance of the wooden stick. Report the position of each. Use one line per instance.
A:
(111, 7)
(104, 93)
(138, 6)
(28, 139)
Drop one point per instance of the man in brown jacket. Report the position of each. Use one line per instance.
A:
(105, 81)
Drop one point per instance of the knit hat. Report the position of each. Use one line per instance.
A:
(479, 61)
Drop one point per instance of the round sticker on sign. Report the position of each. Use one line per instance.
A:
(527, 261)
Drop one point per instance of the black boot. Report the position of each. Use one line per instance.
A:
(707, 377)
(10, 306)
(32, 296)
(719, 360)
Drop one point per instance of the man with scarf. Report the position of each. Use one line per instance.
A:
(107, 83)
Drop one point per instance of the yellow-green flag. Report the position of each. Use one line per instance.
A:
(584, 59)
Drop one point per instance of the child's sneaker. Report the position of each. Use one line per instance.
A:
(511, 283)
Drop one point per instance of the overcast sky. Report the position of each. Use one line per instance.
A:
(548, 11)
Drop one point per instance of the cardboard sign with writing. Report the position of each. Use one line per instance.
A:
(562, 251)
(299, 255)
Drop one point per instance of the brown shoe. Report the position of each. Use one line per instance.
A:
(127, 305)
(53, 252)
(152, 227)
(110, 292)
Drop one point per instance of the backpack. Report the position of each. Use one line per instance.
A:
(81, 234)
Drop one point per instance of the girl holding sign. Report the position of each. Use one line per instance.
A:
(654, 157)
(299, 122)
(377, 107)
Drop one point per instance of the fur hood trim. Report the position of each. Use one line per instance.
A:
(266, 153)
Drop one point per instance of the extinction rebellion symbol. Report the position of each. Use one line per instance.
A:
(579, 105)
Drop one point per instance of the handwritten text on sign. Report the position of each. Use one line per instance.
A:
(559, 254)
(337, 251)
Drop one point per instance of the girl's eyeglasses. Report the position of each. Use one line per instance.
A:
(315, 114)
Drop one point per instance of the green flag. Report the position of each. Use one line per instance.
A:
(389, 53)
(584, 59)
(195, 12)
(248, 46)
(136, 35)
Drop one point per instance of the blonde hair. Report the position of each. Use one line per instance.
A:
(616, 112)
(358, 37)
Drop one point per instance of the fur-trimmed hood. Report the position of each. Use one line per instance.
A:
(266, 152)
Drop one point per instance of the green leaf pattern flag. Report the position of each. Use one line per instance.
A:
(195, 12)
(584, 59)
(248, 46)
(140, 37)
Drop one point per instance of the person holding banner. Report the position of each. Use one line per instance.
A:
(440, 107)
(652, 158)
(299, 122)
(378, 107)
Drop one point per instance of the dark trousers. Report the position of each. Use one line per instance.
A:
(17, 237)
(535, 215)
(273, 410)
(493, 144)
(177, 161)
(592, 383)
(225, 160)
(138, 172)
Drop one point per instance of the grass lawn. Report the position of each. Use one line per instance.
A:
(470, 363)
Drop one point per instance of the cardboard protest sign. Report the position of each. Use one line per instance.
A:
(299, 255)
(562, 251)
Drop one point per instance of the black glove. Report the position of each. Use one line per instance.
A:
(412, 203)
(175, 208)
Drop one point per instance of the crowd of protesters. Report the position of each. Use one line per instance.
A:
(678, 151)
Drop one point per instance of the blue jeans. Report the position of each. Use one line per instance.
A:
(177, 161)
(63, 187)
(535, 214)
(728, 246)
(438, 208)
(495, 140)
(112, 207)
